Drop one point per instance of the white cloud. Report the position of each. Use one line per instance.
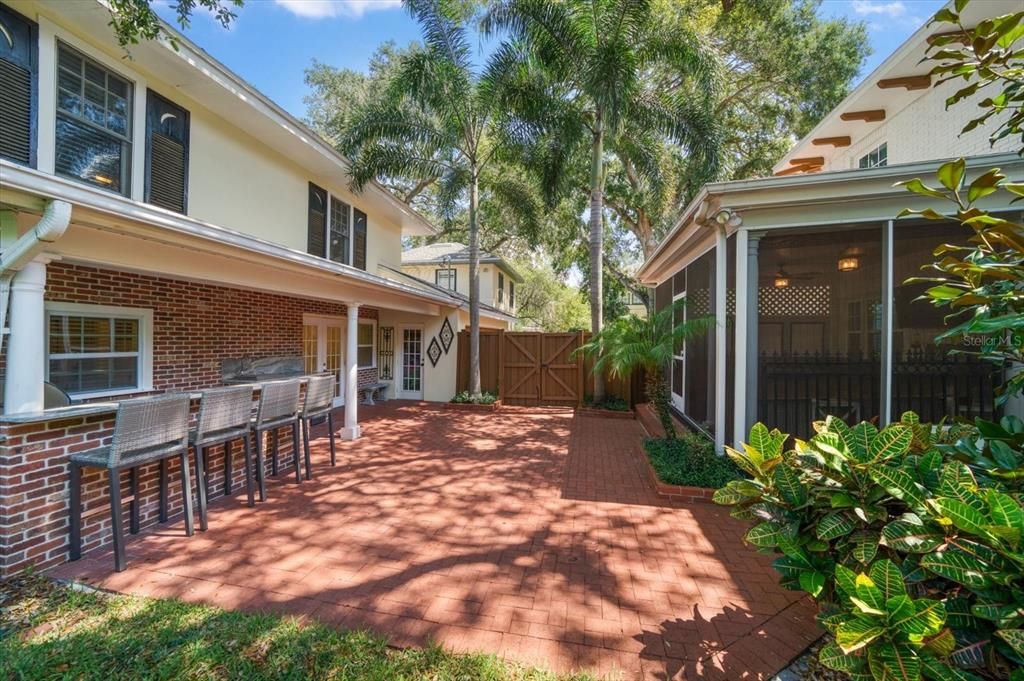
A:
(870, 7)
(325, 9)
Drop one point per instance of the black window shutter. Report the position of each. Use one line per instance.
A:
(167, 128)
(316, 242)
(17, 87)
(359, 234)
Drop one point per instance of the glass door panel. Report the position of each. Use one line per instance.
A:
(412, 363)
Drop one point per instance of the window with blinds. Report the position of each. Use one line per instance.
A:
(340, 235)
(94, 115)
(17, 87)
(167, 127)
(359, 239)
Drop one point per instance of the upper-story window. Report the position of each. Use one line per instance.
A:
(501, 287)
(446, 278)
(17, 87)
(336, 230)
(166, 153)
(876, 158)
(94, 117)
(511, 294)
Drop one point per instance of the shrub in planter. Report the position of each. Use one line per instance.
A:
(465, 398)
(689, 460)
(911, 540)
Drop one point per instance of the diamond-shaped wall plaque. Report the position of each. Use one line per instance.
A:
(434, 352)
(447, 335)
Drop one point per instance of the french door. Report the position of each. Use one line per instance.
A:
(323, 350)
(410, 375)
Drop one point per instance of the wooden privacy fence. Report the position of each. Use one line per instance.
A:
(531, 369)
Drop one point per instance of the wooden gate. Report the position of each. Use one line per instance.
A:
(540, 368)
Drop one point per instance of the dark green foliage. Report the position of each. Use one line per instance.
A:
(690, 460)
(610, 402)
(465, 398)
(913, 550)
(135, 20)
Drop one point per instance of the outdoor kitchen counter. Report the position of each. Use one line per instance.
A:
(75, 411)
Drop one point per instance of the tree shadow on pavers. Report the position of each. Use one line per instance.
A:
(727, 644)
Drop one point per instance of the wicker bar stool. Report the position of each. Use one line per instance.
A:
(146, 430)
(224, 415)
(278, 408)
(318, 403)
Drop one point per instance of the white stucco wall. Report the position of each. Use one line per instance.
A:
(438, 381)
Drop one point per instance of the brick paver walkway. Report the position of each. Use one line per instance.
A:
(531, 534)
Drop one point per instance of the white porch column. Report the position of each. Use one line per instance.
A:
(351, 429)
(753, 348)
(745, 379)
(721, 337)
(26, 345)
(888, 301)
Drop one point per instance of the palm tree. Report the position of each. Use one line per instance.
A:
(593, 57)
(631, 343)
(436, 123)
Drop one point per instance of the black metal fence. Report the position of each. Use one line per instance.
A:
(795, 390)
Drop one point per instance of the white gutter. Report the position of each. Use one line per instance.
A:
(19, 178)
(51, 226)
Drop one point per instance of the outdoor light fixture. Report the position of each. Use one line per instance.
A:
(848, 261)
(781, 279)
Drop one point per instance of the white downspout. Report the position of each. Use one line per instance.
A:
(51, 226)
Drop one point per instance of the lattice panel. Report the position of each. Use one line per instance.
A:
(795, 301)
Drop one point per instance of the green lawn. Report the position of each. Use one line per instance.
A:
(49, 631)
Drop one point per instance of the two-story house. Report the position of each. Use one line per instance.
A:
(446, 265)
(162, 221)
(807, 272)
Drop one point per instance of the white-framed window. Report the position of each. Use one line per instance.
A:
(501, 288)
(94, 122)
(366, 344)
(446, 277)
(99, 350)
(876, 158)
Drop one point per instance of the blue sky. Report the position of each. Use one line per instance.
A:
(273, 41)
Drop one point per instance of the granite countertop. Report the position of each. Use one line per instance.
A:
(97, 408)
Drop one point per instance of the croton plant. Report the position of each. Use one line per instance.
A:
(910, 538)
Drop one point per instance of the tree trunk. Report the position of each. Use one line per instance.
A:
(657, 394)
(474, 290)
(597, 245)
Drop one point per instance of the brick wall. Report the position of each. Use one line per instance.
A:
(34, 491)
(195, 327)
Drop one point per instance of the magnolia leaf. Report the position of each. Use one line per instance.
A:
(894, 440)
(833, 657)
(895, 662)
(856, 633)
(951, 174)
(1015, 637)
(957, 566)
(833, 525)
(918, 187)
(888, 578)
(962, 516)
(984, 185)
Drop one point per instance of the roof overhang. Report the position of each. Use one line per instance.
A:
(195, 73)
(164, 231)
(906, 62)
(834, 198)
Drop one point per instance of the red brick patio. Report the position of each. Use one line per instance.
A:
(531, 534)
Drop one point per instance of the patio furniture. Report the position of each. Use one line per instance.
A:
(224, 415)
(378, 390)
(146, 430)
(278, 408)
(318, 404)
